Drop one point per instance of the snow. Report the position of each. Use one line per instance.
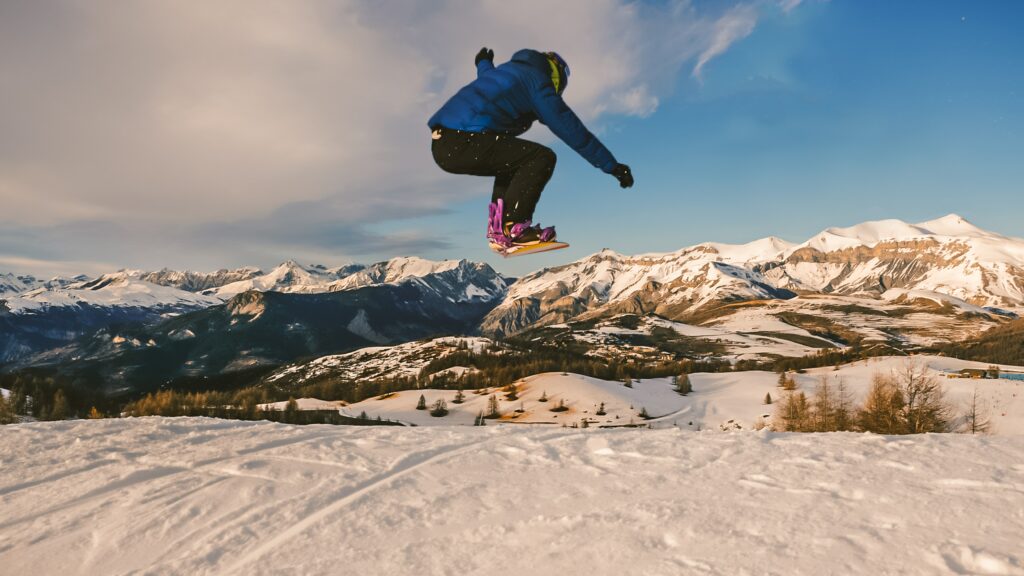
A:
(289, 276)
(201, 496)
(582, 396)
(719, 401)
(402, 360)
(120, 290)
(5, 392)
(304, 404)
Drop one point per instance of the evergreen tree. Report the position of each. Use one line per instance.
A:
(600, 410)
(644, 414)
(560, 407)
(627, 382)
(512, 392)
(459, 397)
(493, 410)
(768, 398)
(543, 397)
(422, 404)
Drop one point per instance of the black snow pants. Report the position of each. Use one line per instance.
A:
(520, 168)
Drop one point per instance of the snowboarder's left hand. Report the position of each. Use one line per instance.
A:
(485, 53)
(624, 174)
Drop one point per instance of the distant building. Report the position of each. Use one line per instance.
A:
(978, 373)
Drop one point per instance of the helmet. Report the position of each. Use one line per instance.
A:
(559, 71)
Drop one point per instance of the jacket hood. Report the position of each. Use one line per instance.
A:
(539, 60)
(533, 58)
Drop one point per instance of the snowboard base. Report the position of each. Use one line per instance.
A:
(530, 249)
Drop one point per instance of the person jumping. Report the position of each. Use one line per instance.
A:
(475, 133)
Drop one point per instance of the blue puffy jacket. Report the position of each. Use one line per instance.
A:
(507, 99)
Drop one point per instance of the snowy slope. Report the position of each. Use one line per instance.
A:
(948, 255)
(582, 396)
(376, 362)
(719, 401)
(200, 496)
(15, 284)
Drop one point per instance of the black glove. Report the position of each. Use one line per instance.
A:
(484, 54)
(624, 174)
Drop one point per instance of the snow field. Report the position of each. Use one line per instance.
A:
(202, 496)
(719, 401)
(582, 396)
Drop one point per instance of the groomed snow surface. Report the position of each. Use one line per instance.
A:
(203, 496)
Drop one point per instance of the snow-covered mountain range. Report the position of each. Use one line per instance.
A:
(55, 313)
(932, 281)
(945, 259)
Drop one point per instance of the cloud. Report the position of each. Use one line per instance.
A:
(150, 118)
(788, 5)
(735, 25)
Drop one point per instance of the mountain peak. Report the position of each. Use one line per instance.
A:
(954, 225)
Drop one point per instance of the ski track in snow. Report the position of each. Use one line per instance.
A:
(202, 496)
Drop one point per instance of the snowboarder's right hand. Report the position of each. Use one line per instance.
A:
(485, 53)
(624, 175)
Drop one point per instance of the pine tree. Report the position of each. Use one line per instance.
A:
(627, 382)
(560, 407)
(644, 414)
(768, 398)
(512, 392)
(422, 404)
(493, 410)
(459, 397)
(543, 397)
(600, 410)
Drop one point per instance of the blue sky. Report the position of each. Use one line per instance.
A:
(836, 113)
(218, 135)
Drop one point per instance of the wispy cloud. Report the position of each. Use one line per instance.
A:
(733, 26)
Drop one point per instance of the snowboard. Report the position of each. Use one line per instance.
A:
(531, 249)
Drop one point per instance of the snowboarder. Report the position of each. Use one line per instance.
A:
(476, 131)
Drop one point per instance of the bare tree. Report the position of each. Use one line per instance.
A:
(976, 418)
(926, 409)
